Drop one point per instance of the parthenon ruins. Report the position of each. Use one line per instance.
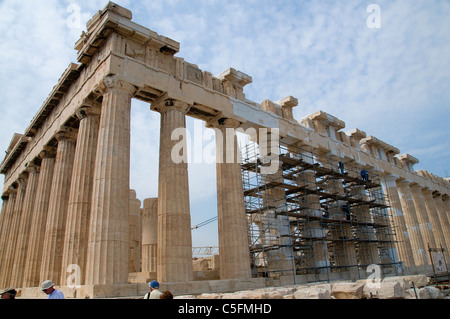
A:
(336, 203)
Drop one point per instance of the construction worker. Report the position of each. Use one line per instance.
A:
(364, 175)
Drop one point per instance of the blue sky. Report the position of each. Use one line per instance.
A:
(391, 82)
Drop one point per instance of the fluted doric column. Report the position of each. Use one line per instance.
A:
(135, 234)
(39, 220)
(316, 255)
(368, 252)
(174, 220)
(57, 207)
(418, 248)
(446, 202)
(444, 221)
(80, 198)
(7, 220)
(422, 217)
(150, 235)
(13, 232)
(25, 226)
(433, 216)
(342, 248)
(107, 259)
(234, 254)
(3, 221)
(403, 243)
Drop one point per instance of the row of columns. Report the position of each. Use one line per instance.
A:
(73, 208)
(421, 219)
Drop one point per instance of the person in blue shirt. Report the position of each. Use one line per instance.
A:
(49, 289)
(365, 175)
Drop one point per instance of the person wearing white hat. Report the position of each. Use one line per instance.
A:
(49, 289)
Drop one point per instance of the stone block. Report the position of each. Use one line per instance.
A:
(185, 297)
(347, 290)
(419, 280)
(235, 295)
(274, 295)
(209, 296)
(313, 292)
(434, 292)
(386, 290)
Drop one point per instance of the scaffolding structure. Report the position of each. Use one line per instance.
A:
(315, 216)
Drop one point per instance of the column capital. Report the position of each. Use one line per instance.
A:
(162, 106)
(112, 82)
(417, 187)
(222, 122)
(403, 182)
(47, 152)
(11, 190)
(23, 177)
(436, 194)
(31, 167)
(66, 133)
(88, 108)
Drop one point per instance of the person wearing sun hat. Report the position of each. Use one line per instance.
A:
(49, 289)
(154, 292)
(8, 293)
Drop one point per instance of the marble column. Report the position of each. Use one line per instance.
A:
(317, 257)
(418, 248)
(57, 208)
(135, 234)
(446, 201)
(80, 198)
(403, 244)
(342, 247)
(150, 235)
(8, 265)
(174, 261)
(444, 221)
(25, 226)
(6, 227)
(422, 217)
(107, 258)
(368, 252)
(39, 220)
(433, 216)
(5, 199)
(234, 252)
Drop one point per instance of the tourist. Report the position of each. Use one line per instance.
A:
(49, 289)
(154, 292)
(166, 295)
(8, 293)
